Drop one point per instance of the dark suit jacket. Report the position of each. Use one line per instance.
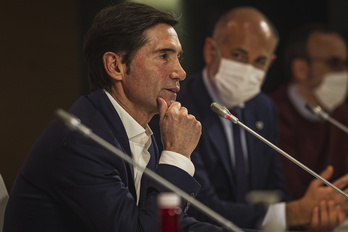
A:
(69, 183)
(212, 157)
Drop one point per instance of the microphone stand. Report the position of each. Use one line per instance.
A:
(73, 123)
(225, 113)
(317, 110)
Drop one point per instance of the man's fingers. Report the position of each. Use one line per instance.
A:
(326, 174)
(183, 110)
(315, 219)
(341, 215)
(341, 182)
(162, 107)
(334, 214)
(326, 214)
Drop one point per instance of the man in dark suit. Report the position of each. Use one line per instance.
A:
(237, 57)
(70, 183)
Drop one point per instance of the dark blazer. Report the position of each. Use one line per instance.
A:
(212, 157)
(69, 183)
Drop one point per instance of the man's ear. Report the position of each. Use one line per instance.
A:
(209, 50)
(113, 65)
(299, 69)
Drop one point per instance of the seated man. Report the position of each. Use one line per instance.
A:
(70, 183)
(316, 63)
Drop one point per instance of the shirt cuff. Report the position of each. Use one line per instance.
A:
(275, 217)
(178, 160)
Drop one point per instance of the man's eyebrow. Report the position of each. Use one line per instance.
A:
(261, 58)
(240, 50)
(171, 50)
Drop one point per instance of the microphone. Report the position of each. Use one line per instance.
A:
(225, 113)
(317, 110)
(74, 123)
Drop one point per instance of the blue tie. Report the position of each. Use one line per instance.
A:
(240, 164)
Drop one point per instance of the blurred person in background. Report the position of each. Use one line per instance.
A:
(315, 61)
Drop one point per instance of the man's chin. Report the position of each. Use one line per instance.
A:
(169, 101)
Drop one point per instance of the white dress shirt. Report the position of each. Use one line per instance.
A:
(140, 141)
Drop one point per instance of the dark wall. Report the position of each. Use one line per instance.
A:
(200, 15)
(197, 18)
(39, 71)
(285, 15)
(41, 67)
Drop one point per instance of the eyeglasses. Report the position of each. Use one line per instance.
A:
(333, 62)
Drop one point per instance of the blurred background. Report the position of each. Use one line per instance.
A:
(41, 65)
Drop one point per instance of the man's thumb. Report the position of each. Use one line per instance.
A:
(327, 172)
(162, 106)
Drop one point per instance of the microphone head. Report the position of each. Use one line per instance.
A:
(317, 110)
(312, 108)
(223, 112)
(72, 122)
(219, 109)
(69, 120)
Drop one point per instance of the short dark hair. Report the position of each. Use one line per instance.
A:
(120, 29)
(296, 46)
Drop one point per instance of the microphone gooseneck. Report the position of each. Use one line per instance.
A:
(73, 123)
(317, 110)
(224, 113)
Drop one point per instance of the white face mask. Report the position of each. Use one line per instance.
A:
(332, 91)
(237, 82)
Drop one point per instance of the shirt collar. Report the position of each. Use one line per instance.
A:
(134, 130)
(300, 104)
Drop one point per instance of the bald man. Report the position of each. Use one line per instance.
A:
(230, 162)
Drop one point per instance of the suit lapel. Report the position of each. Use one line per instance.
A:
(217, 138)
(151, 165)
(253, 143)
(121, 139)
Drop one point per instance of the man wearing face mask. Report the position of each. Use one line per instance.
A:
(316, 63)
(231, 162)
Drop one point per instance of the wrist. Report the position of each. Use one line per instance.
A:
(296, 214)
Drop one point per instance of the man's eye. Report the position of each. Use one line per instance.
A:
(261, 62)
(164, 56)
(237, 56)
(180, 58)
